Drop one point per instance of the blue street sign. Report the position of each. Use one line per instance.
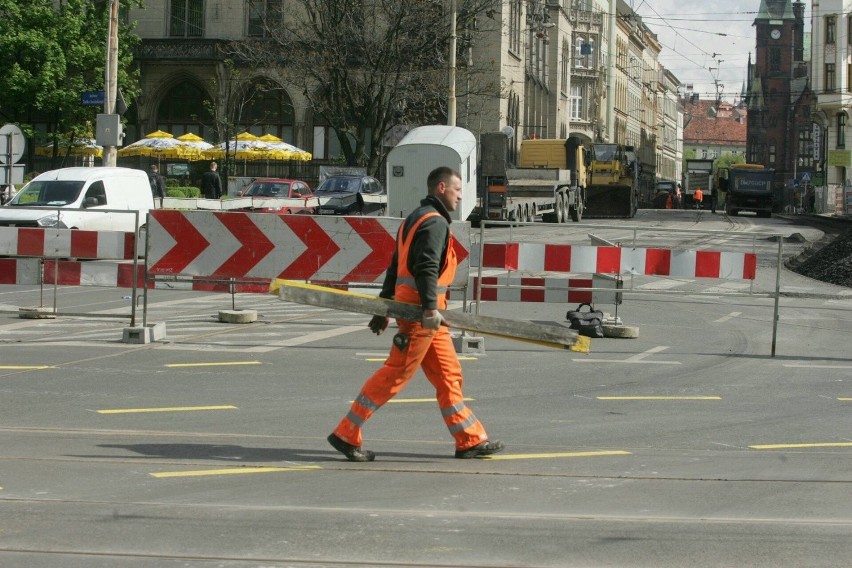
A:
(92, 98)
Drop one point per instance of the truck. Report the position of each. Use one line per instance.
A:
(612, 188)
(749, 188)
(699, 173)
(549, 181)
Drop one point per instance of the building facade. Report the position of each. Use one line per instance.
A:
(780, 105)
(831, 53)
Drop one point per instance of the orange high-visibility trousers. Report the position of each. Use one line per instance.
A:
(433, 351)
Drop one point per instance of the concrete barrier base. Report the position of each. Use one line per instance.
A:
(238, 316)
(468, 344)
(147, 334)
(41, 312)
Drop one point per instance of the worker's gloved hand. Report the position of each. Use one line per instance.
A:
(378, 324)
(431, 319)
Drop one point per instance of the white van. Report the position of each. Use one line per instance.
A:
(81, 198)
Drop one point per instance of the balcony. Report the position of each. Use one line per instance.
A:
(183, 49)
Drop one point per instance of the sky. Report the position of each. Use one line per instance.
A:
(705, 44)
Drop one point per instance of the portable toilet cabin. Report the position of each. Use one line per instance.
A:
(422, 150)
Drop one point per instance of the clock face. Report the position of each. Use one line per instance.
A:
(775, 34)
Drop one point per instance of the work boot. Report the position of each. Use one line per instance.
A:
(352, 453)
(480, 450)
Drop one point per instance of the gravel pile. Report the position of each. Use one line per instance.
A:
(830, 263)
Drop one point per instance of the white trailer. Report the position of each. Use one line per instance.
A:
(421, 151)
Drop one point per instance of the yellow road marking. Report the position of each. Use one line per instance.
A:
(231, 471)
(25, 367)
(557, 455)
(659, 398)
(790, 446)
(220, 364)
(165, 409)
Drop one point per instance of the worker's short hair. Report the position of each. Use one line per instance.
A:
(438, 175)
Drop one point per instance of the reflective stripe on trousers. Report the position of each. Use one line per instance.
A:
(433, 351)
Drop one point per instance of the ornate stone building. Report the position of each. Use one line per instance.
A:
(780, 103)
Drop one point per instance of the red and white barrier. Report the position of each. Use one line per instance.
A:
(506, 288)
(541, 257)
(266, 246)
(65, 243)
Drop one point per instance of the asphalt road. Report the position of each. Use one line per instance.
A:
(689, 445)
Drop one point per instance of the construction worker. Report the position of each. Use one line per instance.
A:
(422, 268)
(698, 197)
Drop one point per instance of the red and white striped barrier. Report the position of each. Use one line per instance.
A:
(248, 246)
(19, 270)
(505, 288)
(65, 243)
(541, 257)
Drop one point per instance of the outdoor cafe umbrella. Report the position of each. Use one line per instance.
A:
(277, 149)
(192, 140)
(246, 146)
(163, 146)
(76, 147)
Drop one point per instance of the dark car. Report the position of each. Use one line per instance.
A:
(351, 195)
(264, 191)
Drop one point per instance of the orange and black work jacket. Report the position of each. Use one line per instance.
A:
(424, 262)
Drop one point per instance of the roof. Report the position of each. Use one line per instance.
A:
(706, 123)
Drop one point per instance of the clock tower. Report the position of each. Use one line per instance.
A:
(779, 97)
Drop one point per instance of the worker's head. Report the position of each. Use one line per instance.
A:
(212, 166)
(445, 184)
(155, 168)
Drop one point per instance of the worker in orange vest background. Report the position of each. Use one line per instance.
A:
(698, 197)
(421, 270)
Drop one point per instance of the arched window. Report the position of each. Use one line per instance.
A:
(269, 110)
(184, 108)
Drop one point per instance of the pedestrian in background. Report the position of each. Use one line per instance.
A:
(211, 184)
(158, 184)
(421, 269)
(698, 197)
(678, 200)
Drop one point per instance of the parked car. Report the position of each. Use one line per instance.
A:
(351, 195)
(264, 191)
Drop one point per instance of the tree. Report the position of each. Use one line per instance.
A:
(235, 94)
(364, 66)
(49, 55)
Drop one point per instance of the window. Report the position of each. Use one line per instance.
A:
(830, 29)
(186, 18)
(184, 109)
(515, 26)
(775, 59)
(97, 192)
(772, 153)
(804, 151)
(841, 129)
(829, 78)
(577, 102)
(263, 15)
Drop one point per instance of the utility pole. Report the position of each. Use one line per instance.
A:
(111, 80)
(451, 99)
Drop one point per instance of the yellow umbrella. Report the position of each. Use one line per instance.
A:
(245, 146)
(277, 149)
(77, 147)
(163, 146)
